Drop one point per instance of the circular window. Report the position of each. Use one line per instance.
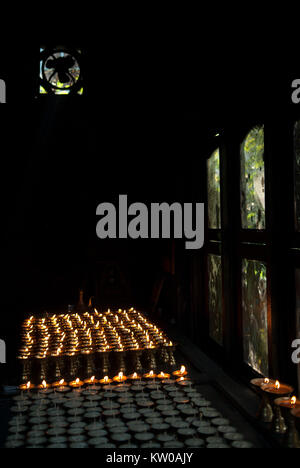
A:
(60, 71)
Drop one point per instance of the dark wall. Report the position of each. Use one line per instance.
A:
(62, 156)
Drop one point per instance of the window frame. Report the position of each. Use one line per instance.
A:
(235, 243)
(254, 244)
(278, 245)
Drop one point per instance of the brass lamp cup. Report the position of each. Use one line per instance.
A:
(58, 372)
(146, 358)
(43, 369)
(164, 356)
(269, 400)
(26, 370)
(149, 359)
(292, 436)
(172, 360)
(74, 368)
(63, 365)
(98, 363)
(296, 414)
(120, 360)
(266, 413)
(89, 370)
(134, 361)
(279, 422)
(138, 363)
(105, 363)
(152, 358)
(265, 410)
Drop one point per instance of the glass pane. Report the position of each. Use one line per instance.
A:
(214, 265)
(297, 274)
(253, 180)
(213, 191)
(297, 174)
(255, 315)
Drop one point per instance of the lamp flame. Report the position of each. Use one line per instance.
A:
(293, 400)
(266, 381)
(182, 370)
(44, 384)
(277, 385)
(62, 382)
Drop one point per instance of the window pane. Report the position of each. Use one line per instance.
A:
(214, 265)
(255, 315)
(297, 174)
(213, 191)
(297, 274)
(253, 180)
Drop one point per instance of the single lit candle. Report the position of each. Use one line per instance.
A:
(91, 381)
(163, 376)
(120, 377)
(180, 372)
(28, 386)
(76, 383)
(262, 381)
(61, 383)
(105, 380)
(277, 388)
(62, 387)
(184, 382)
(286, 402)
(150, 375)
(169, 344)
(134, 376)
(43, 385)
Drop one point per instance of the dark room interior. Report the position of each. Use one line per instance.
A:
(126, 126)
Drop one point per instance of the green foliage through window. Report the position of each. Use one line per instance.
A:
(214, 264)
(213, 188)
(255, 315)
(253, 180)
(297, 174)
